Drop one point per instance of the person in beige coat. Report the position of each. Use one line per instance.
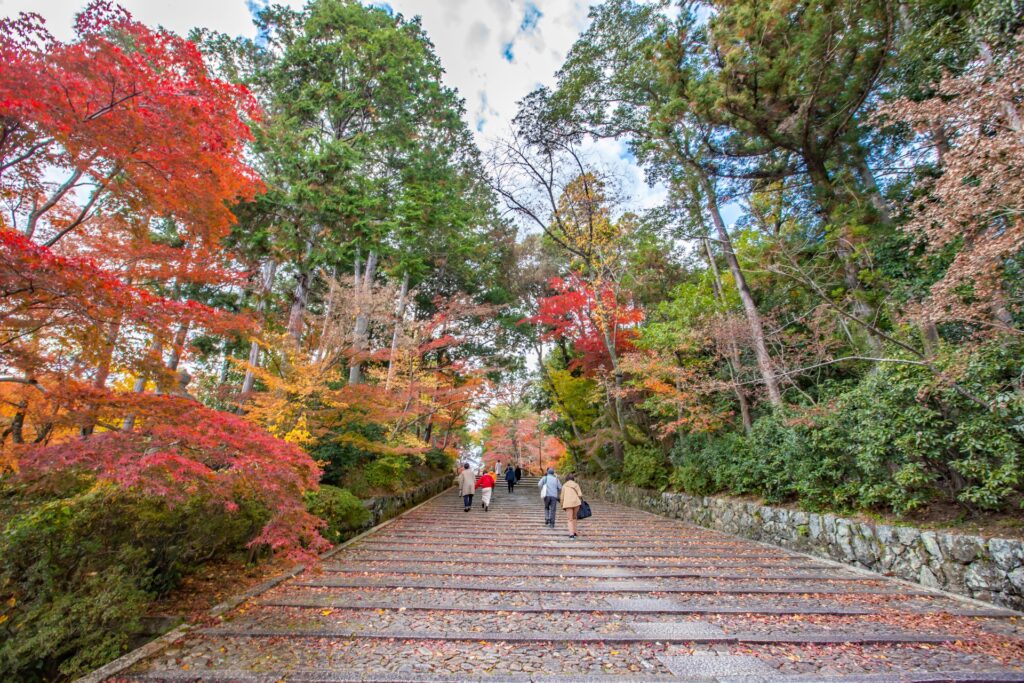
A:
(467, 484)
(572, 498)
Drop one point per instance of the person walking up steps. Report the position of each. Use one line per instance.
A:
(550, 487)
(467, 484)
(486, 486)
(510, 478)
(572, 498)
(519, 473)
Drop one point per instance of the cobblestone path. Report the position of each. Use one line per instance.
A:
(443, 595)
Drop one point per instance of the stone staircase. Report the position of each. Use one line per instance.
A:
(443, 595)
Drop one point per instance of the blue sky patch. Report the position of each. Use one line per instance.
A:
(530, 18)
(506, 52)
(384, 6)
(481, 118)
(255, 7)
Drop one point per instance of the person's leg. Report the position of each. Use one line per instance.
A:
(487, 498)
(467, 501)
(550, 509)
(571, 513)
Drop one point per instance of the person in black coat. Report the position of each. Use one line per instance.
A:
(519, 473)
(510, 478)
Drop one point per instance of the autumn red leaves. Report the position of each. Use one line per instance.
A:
(121, 159)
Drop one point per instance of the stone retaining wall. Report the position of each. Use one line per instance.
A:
(383, 508)
(986, 569)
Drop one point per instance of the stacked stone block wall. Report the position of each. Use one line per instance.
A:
(991, 570)
(383, 508)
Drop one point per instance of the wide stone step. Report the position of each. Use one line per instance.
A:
(267, 621)
(677, 603)
(605, 586)
(557, 536)
(403, 560)
(646, 606)
(583, 551)
(208, 658)
(526, 570)
(664, 636)
(624, 606)
(315, 676)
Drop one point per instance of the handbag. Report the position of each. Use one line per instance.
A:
(584, 510)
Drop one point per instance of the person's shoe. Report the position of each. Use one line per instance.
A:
(465, 509)
(487, 508)
(572, 535)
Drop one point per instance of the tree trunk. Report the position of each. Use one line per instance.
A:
(1013, 117)
(733, 360)
(929, 333)
(103, 368)
(609, 344)
(268, 270)
(941, 141)
(359, 334)
(300, 296)
(540, 443)
(155, 351)
(929, 337)
(845, 244)
(321, 347)
(867, 179)
(17, 427)
(764, 360)
(402, 301)
(300, 299)
(179, 343)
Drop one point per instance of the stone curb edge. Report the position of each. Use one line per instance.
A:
(233, 676)
(541, 637)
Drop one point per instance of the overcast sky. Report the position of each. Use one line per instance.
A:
(493, 51)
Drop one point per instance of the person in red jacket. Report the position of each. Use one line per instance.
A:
(486, 486)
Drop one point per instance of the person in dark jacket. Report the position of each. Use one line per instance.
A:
(519, 473)
(510, 478)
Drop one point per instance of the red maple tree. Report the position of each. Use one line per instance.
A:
(596, 317)
(120, 157)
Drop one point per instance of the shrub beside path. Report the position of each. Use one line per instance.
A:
(443, 595)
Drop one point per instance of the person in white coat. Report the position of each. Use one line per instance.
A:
(467, 485)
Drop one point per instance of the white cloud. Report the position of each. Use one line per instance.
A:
(180, 16)
(469, 36)
(491, 85)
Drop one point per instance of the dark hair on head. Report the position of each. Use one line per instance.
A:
(570, 477)
(465, 465)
